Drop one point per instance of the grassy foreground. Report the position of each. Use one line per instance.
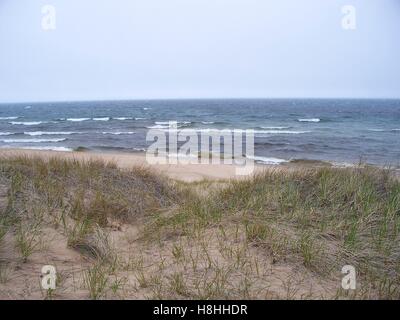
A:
(120, 234)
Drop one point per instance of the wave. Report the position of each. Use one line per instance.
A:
(171, 122)
(207, 122)
(119, 132)
(158, 126)
(271, 144)
(275, 128)
(123, 118)
(41, 133)
(377, 130)
(27, 123)
(166, 128)
(384, 130)
(213, 130)
(77, 119)
(31, 140)
(140, 118)
(6, 133)
(101, 119)
(48, 148)
(279, 132)
(8, 118)
(309, 120)
(146, 108)
(267, 160)
(121, 149)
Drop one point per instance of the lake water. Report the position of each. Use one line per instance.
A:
(341, 131)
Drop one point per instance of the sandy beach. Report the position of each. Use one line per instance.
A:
(187, 172)
(181, 172)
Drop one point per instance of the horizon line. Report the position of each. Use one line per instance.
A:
(208, 98)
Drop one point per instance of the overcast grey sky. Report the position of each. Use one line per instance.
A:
(122, 49)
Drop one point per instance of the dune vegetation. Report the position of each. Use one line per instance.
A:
(114, 233)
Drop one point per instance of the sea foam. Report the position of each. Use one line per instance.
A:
(267, 160)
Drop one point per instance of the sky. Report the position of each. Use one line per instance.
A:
(164, 49)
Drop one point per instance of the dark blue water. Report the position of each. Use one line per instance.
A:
(342, 131)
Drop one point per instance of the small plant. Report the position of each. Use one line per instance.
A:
(177, 284)
(256, 232)
(3, 229)
(4, 272)
(177, 252)
(307, 249)
(96, 280)
(78, 232)
(117, 285)
(142, 279)
(27, 239)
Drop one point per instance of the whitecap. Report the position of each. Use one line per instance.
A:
(77, 119)
(275, 128)
(27, 123)
(8, 118)
(162, 122)
(279, 132)
(101, 119)
(122, 118)
(172, 122)
(31, 140)
(41, 133)
(158, 126)
(377, 130)
(169, 124)
(207, 122)
(267, 160)
(343, 164)
(383, 130)
(6, 133)
(310, 120)
(140, 118)
(214, 130)
(119, 132)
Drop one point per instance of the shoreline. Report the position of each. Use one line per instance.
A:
(182, 172)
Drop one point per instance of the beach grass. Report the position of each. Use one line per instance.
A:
(133, 234)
